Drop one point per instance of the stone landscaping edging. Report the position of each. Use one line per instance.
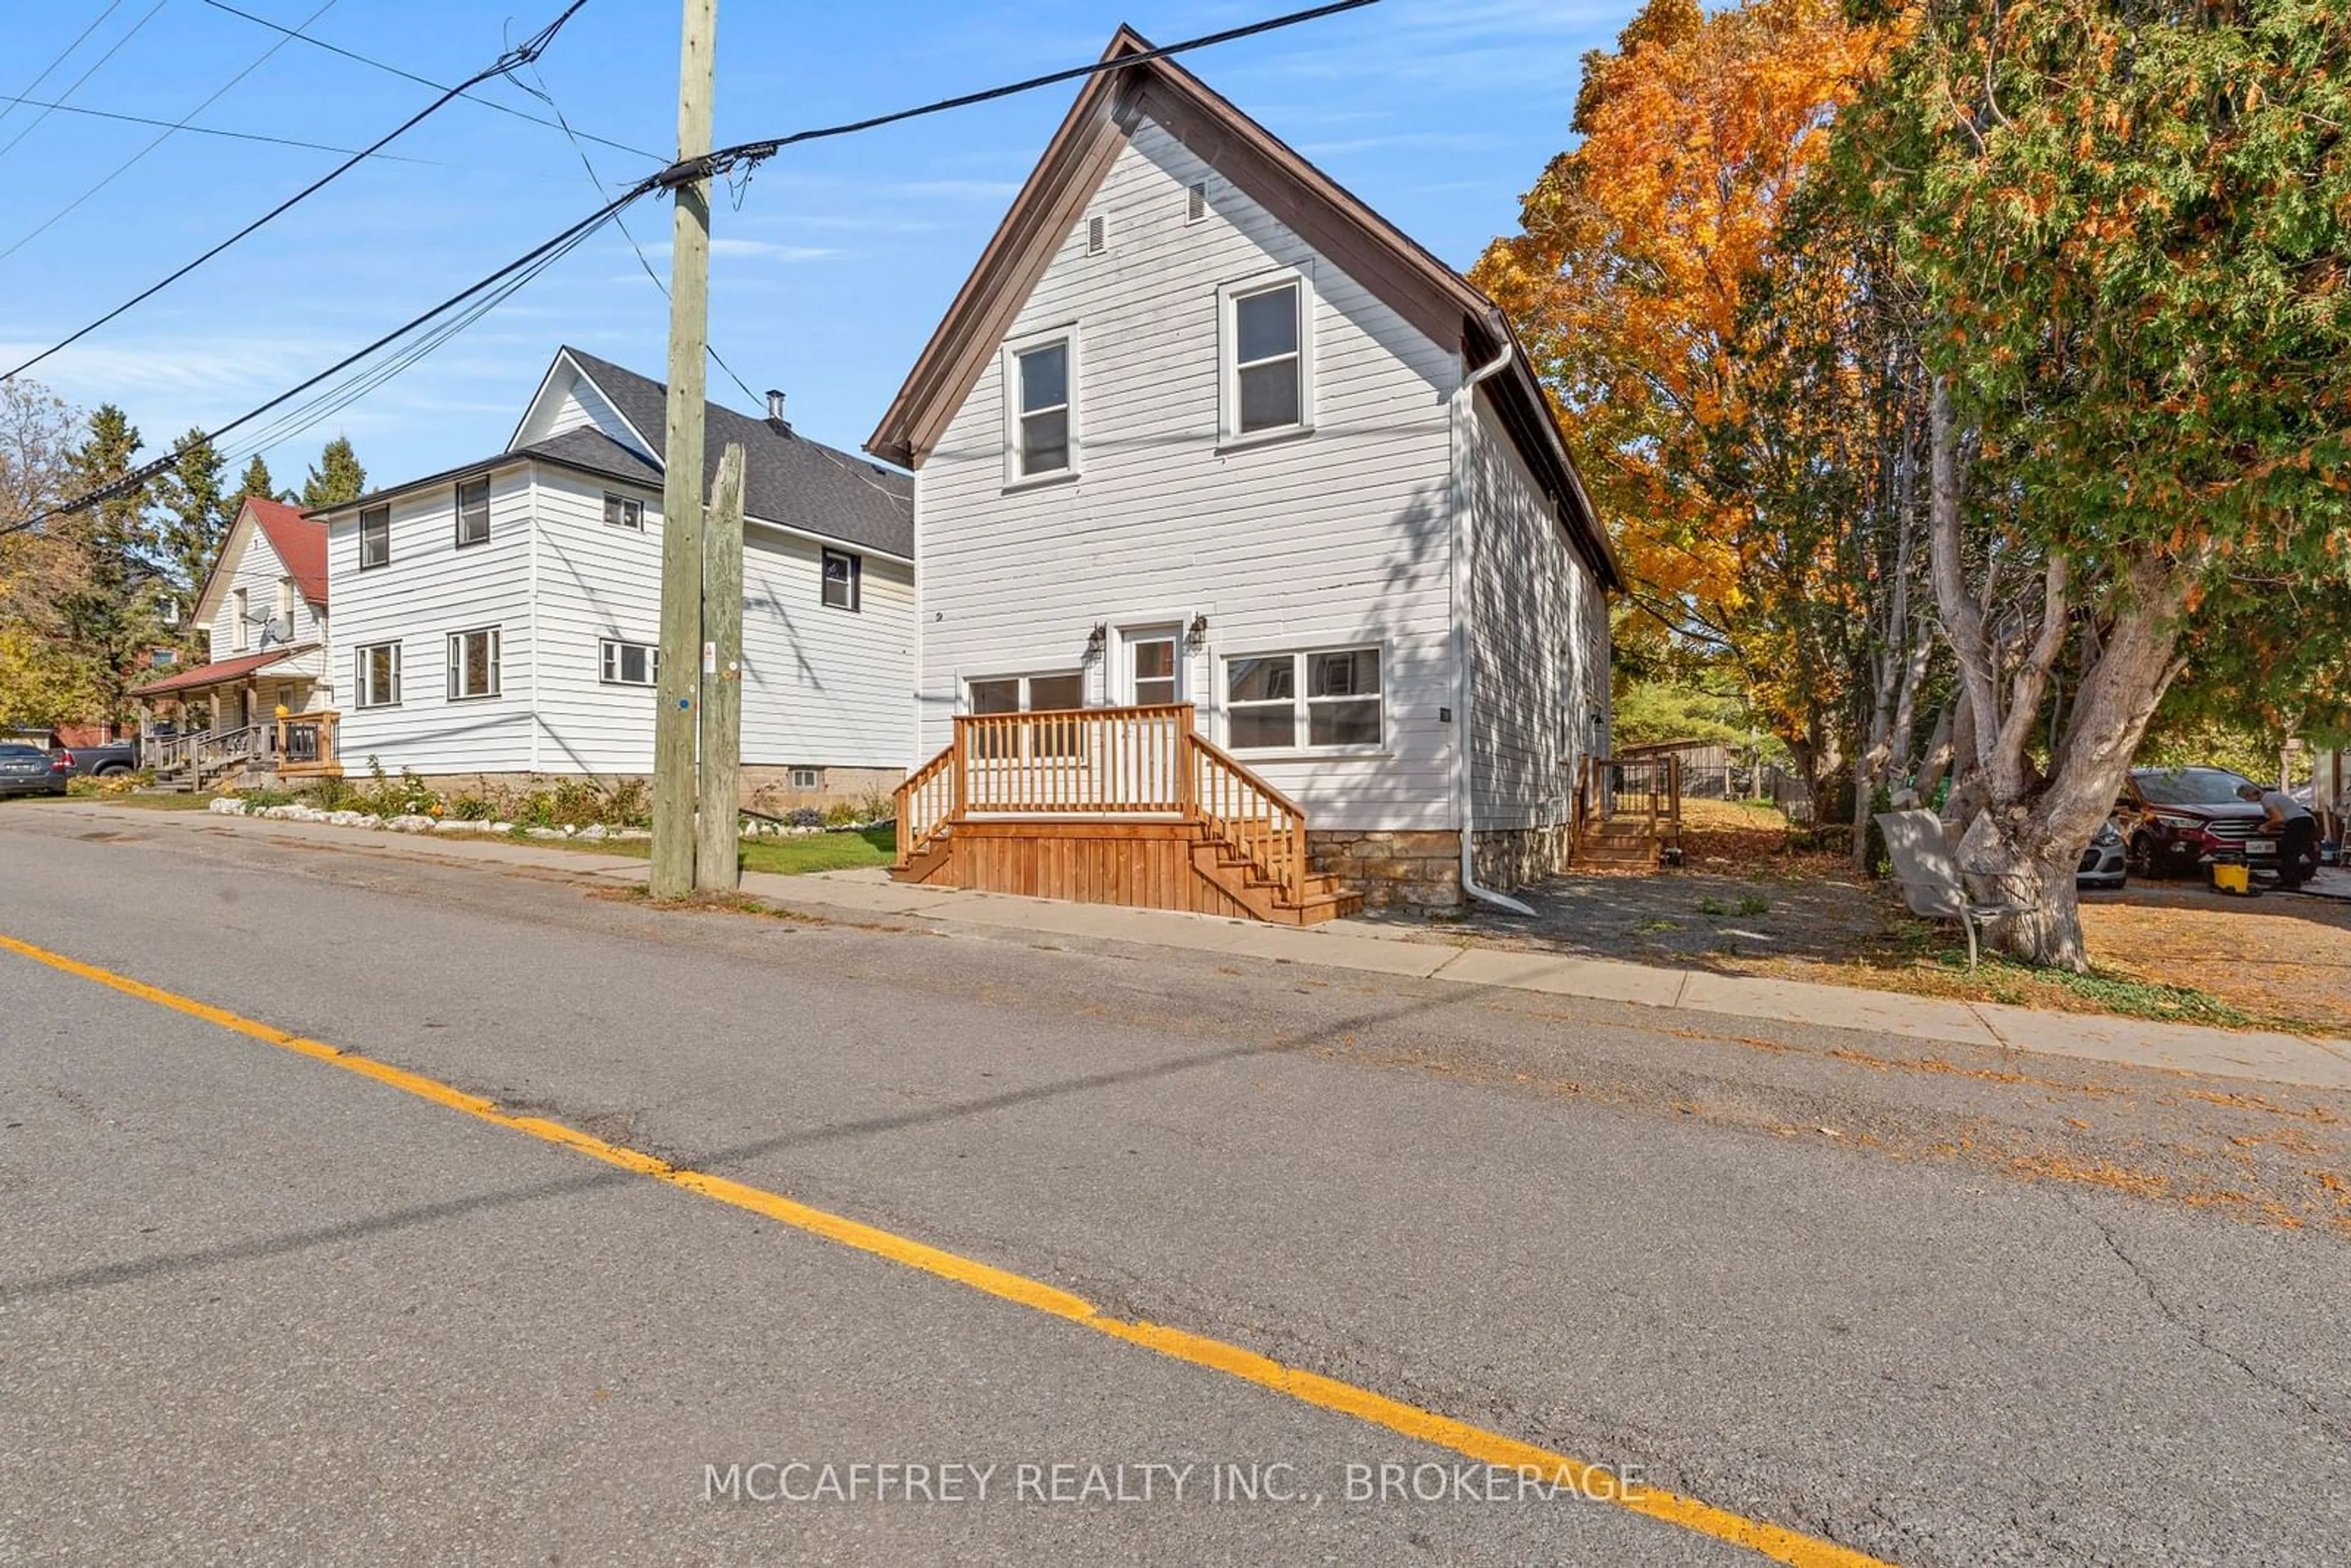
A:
(228, 806)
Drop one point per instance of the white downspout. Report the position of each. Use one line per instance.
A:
(1465, 408)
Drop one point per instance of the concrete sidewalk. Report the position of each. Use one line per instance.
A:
(2270, 1056)
(1361, 945)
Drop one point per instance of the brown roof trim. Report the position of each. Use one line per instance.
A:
(1436, 300)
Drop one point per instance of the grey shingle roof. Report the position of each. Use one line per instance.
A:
(788, 478)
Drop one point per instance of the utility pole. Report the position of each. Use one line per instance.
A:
(715, 867)
(677, 720)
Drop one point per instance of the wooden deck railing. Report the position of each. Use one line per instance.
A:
(218, 750)
(1250, 817)
(307, 745)
(1119, 762)
(926, 803)
(1110, 760)
(164, 753)
(1648, 789)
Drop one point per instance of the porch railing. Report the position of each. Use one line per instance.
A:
(307, 744)
(1115, 762)
(216, 751)
(1250, 818)
(1088, 761)
(1646, 790)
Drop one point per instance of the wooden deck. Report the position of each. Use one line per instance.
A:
(1628, 813)
(1126, 806)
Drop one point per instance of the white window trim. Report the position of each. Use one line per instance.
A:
(1024, 678)
(457, 663)
(815, 777)
(1150, 632)
(606, 660)
(365, 512)
(1014, 479)
(1229, 392)
(626, 501)
(1300, 751)
(240, 632)
(457, 495)
(361, 692)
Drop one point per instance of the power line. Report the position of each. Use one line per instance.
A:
(425, 81)
(112, 51)
(527, 265)
(124, 167)
(751, 154)
(502, 284)
(528, 51)
(34, 85)
(11, 100)
(546, 95)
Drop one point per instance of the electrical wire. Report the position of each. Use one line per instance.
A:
(425, 81)
(524, 54)
(11, 100)
(112, 50)
(34, 85)
(503, 282)
(125, 166)
(546, 95)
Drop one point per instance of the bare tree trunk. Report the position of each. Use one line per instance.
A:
(2022, 846)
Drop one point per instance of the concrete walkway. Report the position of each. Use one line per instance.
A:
(1362, 945)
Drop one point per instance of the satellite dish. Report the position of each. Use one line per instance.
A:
(275, 629)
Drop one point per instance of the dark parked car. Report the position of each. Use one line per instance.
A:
(99, 761)
(2178, 818)
(29, 770)
(2106, 862)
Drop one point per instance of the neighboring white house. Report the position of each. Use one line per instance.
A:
(264, 606)
(501, 618)
(1203, 427)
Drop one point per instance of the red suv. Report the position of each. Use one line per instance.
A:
(2178, 818)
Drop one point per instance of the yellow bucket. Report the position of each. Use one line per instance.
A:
(2233, 878)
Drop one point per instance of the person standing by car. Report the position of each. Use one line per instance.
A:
(2296, 830)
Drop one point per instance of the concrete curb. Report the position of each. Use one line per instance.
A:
(2267, 1056)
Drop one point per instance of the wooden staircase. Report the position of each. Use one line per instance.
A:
(1124, 806)
(1628, 813)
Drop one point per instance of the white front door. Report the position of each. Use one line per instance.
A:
(1154, 665)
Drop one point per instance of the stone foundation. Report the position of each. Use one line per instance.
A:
(1423, 870)
(1392, 869)
(1508, 859)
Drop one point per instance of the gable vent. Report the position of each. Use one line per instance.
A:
(1097, 235)
(1196, 206)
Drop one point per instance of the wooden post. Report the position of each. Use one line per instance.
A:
(717, 862)
(677, 721)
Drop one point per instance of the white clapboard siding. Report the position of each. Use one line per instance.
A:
(1533, 603)
(429, 589)
(1339, 537)
(251, 563)
(570, 401)
(821, 687)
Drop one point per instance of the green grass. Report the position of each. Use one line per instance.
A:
(2008, 980)
(1752, 904)
(796, 856)
(151, 800)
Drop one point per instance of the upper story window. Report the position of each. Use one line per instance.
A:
(1268, 371)
(1039, 377)
(240, 632)
(623, 512)
(844, 579)
(285, 602)
(473, 511)
(375, 537)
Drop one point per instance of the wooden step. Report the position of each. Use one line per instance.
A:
(925, 863)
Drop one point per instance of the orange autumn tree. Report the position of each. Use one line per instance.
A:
(1685, 355)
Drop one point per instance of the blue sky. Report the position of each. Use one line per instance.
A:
(825, 282)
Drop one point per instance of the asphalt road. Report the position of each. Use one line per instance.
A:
(258, 1309)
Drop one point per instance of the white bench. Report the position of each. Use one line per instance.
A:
(1929, 875)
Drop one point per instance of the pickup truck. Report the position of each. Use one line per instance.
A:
(99, 761)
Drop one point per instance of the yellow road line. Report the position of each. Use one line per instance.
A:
(1780, 1544)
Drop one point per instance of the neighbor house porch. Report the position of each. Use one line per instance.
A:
(245, 720)
(1112, 805)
